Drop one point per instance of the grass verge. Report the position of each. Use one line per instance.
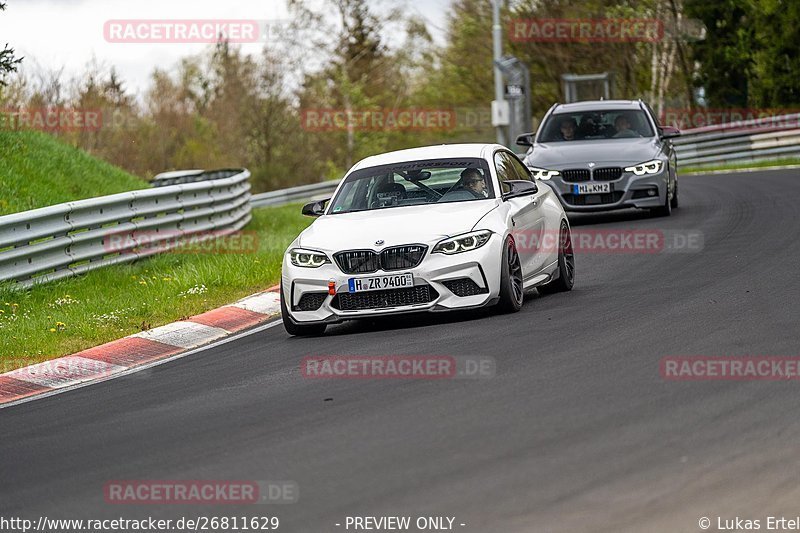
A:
(37, 170)
(70, 315)
(743, 165)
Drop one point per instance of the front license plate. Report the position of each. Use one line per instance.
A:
(380, 283)
(591, 188)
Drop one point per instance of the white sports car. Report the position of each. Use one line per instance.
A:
(436, 228)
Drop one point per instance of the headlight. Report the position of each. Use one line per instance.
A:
(543, 173)
(463, 243)
(307, 258)
(651, 167)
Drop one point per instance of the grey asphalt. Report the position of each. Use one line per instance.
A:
(577, 431)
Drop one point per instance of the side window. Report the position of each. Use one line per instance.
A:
(521, 170)
(505, 170)
(653, 115)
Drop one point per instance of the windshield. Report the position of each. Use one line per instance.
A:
(593, 125)
(414, 183)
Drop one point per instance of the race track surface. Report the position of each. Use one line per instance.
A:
(577, 431)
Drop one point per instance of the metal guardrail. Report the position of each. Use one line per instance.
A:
(315, 191)
(753, 140)
(63, 240)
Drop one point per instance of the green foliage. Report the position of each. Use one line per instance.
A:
(751, 55)
(36, 170)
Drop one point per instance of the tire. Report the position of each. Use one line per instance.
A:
(665, 210)
(312, 330)
(511, 293)
(674, 203)
(566, 264)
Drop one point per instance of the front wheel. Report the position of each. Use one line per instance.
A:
(295, 329)
(674, 203)
(566, 264)
(666, 209)
(511, 293)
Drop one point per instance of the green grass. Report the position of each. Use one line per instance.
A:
(36, 170)
(70, 315)
(742, 165)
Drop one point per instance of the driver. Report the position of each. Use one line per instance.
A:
(473, 182)
(568, 127)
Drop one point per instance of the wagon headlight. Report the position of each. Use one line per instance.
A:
(307, 258)
(543, 173)
(651, 167)
(462, 243)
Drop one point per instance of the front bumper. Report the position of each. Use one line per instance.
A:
(437, 271)
(626, 192)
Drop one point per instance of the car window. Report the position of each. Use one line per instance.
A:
(653, 115)
(507, 170)
(521, 170)
(592, 125)
(414, 183)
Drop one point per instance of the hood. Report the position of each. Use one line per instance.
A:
(621, 152)
(395, 226)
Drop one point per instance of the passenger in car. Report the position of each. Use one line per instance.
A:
(622, 125)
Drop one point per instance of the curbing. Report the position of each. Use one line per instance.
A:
(122, 355)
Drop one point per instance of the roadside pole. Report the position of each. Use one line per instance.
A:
(500, 107)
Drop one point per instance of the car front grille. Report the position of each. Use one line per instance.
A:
(607, 173)
(464, 287)
(420, 294)
(593, 199)
(357, 261)
(575, 174)
(402, 257)
(366, 261)
(311, 301)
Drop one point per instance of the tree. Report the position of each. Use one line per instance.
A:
(8, 62)
(725, 56)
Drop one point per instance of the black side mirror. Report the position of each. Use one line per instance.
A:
(526, 139)
(519, 188)
(668, 132)
(315, 209)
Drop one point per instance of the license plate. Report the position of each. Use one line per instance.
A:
(591, 188)
(380, 283)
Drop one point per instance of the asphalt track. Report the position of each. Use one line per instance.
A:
(576, 432)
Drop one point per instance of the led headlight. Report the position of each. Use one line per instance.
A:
(543, 173)
(463, 243)
(307, 258)
(651, 167)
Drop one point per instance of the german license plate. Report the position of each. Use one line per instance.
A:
(591, 188)
(380, 283)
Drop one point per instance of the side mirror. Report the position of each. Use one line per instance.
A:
(519, 188)
(526, 139)
(315, 209)
(668, 132)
